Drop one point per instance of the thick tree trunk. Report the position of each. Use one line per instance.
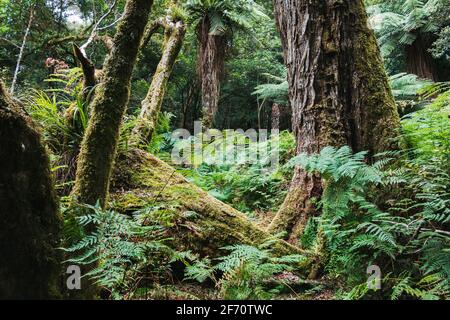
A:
(339, 92)
(196, 220)
(151, 106)
(30, 225)
(210, 66)
(420, 62)
(98, 148)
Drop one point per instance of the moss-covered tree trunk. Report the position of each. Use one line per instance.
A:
(108, 107)
(30, 225)
(151, 106)
(210, 67)
(338, 90)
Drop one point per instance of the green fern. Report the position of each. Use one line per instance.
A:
(121, 249)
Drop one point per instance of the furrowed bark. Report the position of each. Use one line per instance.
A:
(419, 61)
(210, 67)
(339, 92)
(30, 224)
(196, 220)
(99, 145)
(151, 106)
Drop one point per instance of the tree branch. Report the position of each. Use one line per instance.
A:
(151, 29)
(97, 28)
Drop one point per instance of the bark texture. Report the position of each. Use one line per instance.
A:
(98, 148)
(419, 61)
(30, 225)
(210, 66)
(338, 91)
(151, 106)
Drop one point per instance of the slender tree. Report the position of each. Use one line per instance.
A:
(99, 145)
(30, 225)
(338, 90)
(22, 49)
(174, 32)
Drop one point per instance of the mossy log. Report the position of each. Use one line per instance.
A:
(196, 221)
(30, 224)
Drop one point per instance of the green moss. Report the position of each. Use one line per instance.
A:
(98, 149)
(196, 221)
(151, 106)
(128, 201)
(30, 228)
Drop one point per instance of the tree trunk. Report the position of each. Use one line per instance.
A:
(191, 100)
(30, 225)
(99, 145)
(275, 117)
(338, 90)
(210, 67)
(151, 106)
(420, 62)
(89, 78)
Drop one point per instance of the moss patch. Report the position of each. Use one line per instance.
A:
(197, 221)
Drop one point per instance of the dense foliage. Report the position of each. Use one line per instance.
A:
(391, 211)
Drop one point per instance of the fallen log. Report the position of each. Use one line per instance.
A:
(195, 220)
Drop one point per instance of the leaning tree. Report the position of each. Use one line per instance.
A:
(338, 90)
(174, 32)
(99, 145)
